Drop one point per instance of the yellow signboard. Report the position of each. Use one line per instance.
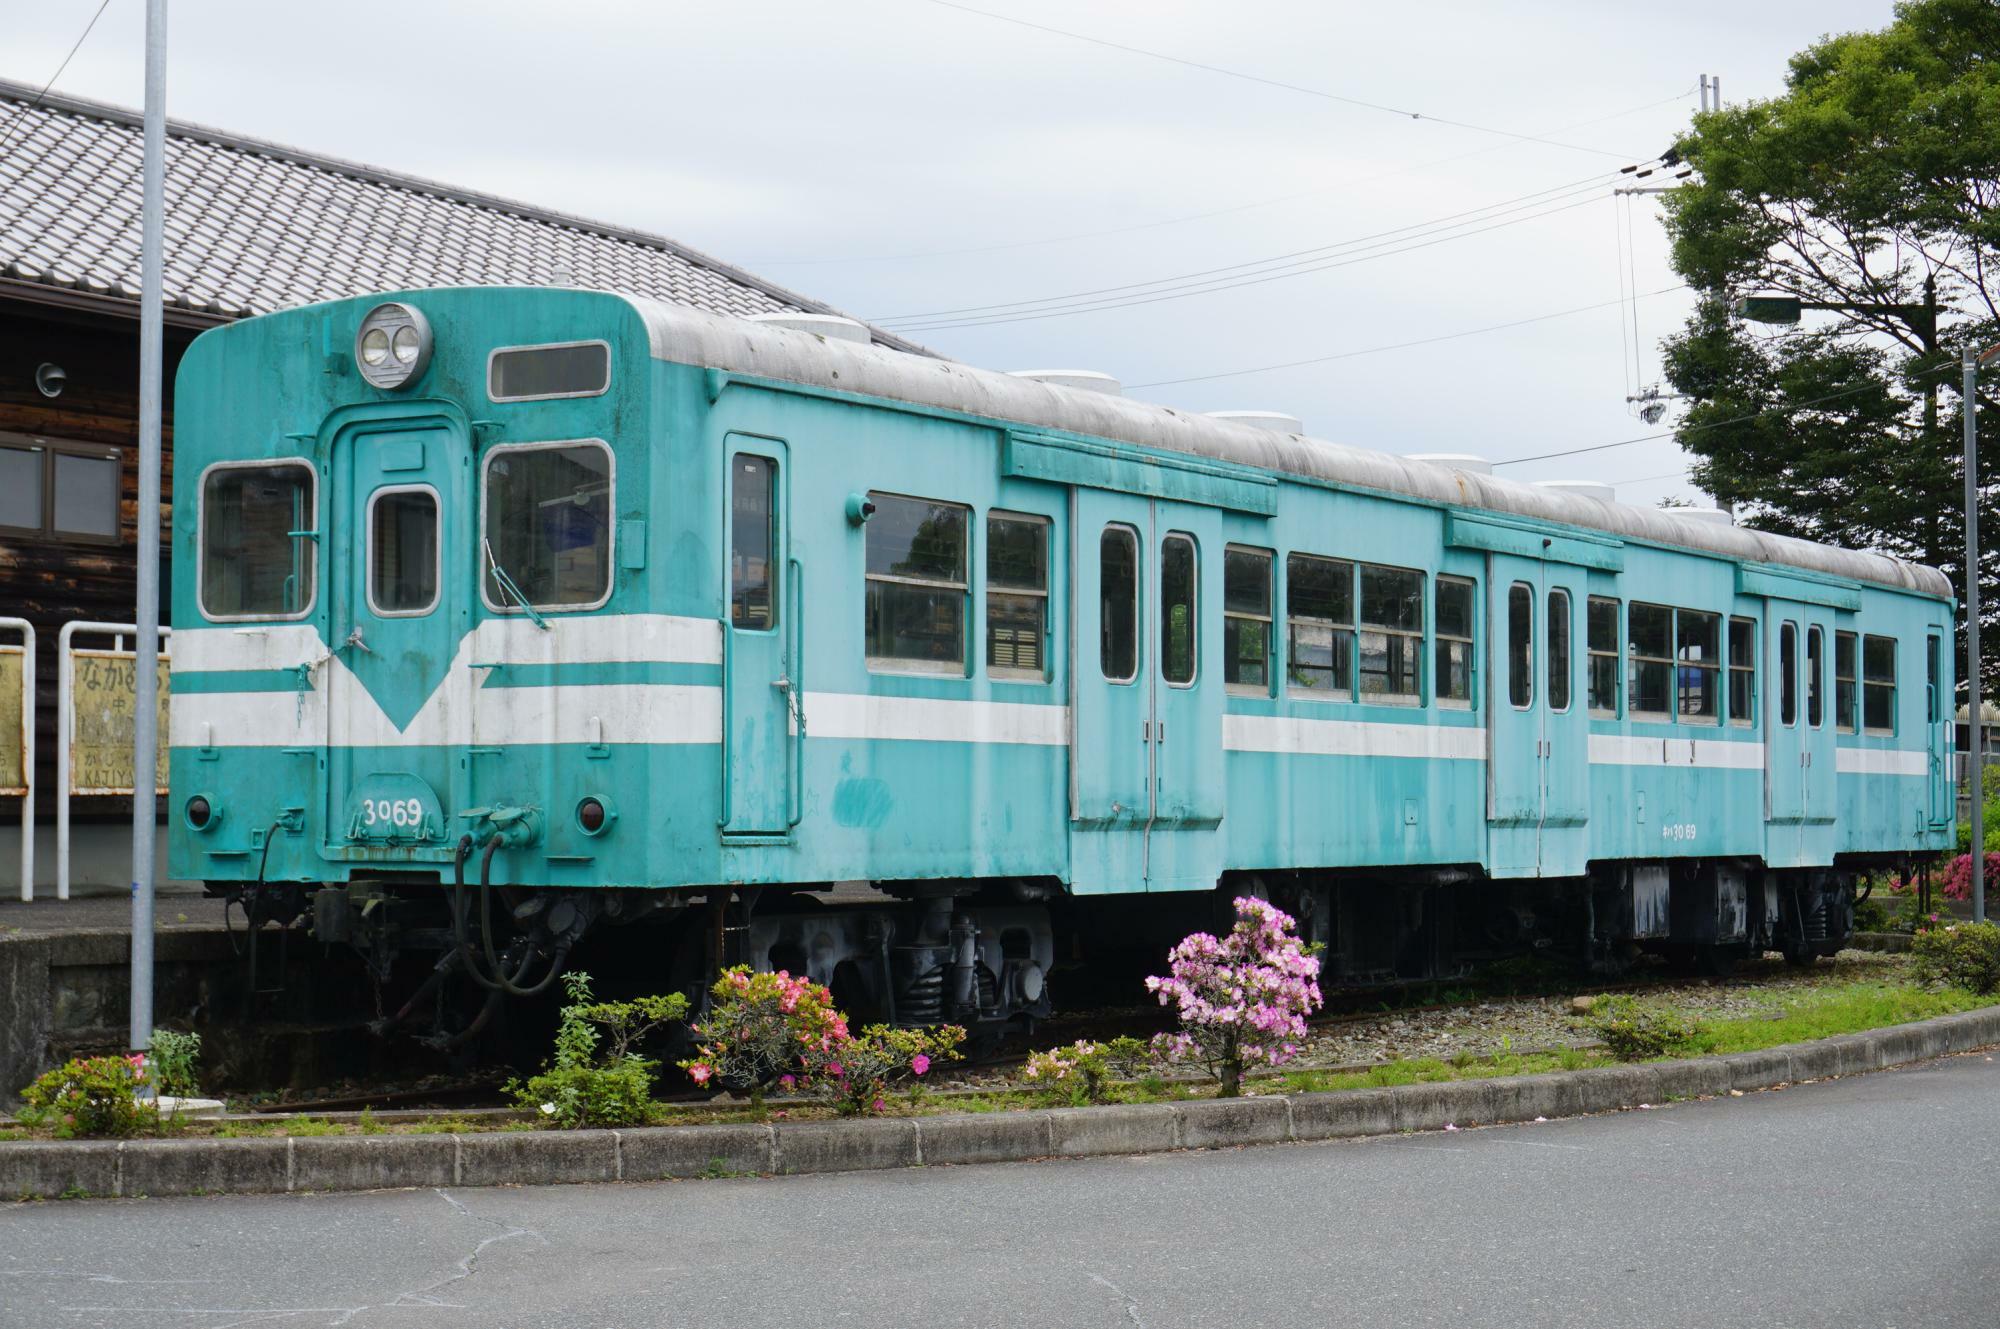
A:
(103, 705)
(13, 717)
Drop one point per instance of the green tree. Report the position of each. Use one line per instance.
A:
(1874, 180)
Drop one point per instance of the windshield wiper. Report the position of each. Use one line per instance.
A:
(507, 585)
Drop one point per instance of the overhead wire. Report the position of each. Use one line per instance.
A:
(1185, 218)
(1221, 284)
(1406, 345)
(1321, 93)
(1594, 181)
(21, 116)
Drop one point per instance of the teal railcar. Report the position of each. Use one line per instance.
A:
(833, 657)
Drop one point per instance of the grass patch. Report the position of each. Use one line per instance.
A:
(1832, 1011)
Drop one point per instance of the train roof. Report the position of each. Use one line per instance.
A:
(690, 336)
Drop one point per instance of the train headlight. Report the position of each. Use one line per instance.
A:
(393, 346)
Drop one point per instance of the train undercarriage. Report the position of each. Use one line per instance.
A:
(446, 958)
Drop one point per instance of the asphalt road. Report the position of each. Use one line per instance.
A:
(1864, 1202)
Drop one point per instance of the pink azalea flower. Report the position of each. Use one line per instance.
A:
(700, 1074)
(920, 1063)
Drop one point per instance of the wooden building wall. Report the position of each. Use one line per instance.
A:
(51, 582)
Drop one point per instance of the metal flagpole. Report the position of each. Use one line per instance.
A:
(145, 735)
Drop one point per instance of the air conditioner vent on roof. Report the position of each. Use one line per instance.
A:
(1457, 461)
(1084, 380)
(830, 326)
(1275, 421)
(1596, 489)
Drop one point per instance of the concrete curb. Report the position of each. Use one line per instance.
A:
(134, 1168)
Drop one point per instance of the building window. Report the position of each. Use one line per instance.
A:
(753, 518)
(1246, 619)
(1878, 684)
(1601, 638)
(1698, 668)
(257, 557)
(1392, 635)
(1558, 651)
(1846, 681)
(59, 491)
(1319, 624)
(1177, 608)
(1453, 655)
(547, 526)
(1815, 685)
(915, 617)
(1118, 603)
(1788, 674)
(403, 551)
(1017, 596)
(1650, 629)
(1742, 671)
(1521, 645)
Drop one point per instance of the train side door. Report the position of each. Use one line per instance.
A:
(760, 604)
(1784, 731)
(1821, 791)
(1537, 770)
(398, 611)
(1146, 783)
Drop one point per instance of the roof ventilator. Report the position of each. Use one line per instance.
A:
(830, 326)
(1083, 380)
(1596, 489)
(1275, 421)
(1708, 516)
(1469, 462)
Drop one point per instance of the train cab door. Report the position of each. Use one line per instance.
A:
(1146, 783)
(398, 610)
(1538, 772)
(760, 672)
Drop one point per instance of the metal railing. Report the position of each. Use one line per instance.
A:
(26, 789)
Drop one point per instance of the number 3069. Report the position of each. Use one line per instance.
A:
(392, 812)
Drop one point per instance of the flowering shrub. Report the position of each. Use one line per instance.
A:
(1965, 955)
(91, 1096)
(764, 1026)
(860, 1070)
(1956, 880)
(584, 1089)
(1071, 1076)
(1243, 998)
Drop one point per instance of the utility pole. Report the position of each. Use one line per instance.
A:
(1969, 403)
(146, 619)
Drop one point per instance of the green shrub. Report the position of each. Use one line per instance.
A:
(582, 1089)
(1636, 1031)
(91, 1096)
(174, 1057)
(1965, 955)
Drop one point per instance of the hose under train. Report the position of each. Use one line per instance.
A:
(495, 978)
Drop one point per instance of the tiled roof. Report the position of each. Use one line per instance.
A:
(254, 226)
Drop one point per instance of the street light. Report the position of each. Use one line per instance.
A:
(1971, 363)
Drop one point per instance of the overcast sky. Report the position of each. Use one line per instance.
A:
(903, 157)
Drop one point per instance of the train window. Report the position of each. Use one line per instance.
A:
(1742, 671)
(1878, 684)
(1453, 660)
(539, 373)
(1649, 629)
(1521, 645)
(1558, 650)
(1601, 639)
(547, 527)
(1246, 620)
(1177, 608)
(1319, 624)
(1815, 685)
(1017, 596)
(916, 584)
(753, 543)
(1698, 666)
(1392, 635)
(403, 551)
(1846, 681)
(257, 560)
(1788, 674)
(1118, 603)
